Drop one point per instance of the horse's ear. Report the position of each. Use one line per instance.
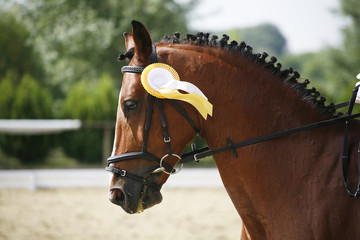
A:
(143, 43)
(129, 41)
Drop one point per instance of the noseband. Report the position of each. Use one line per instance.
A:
(144, 154)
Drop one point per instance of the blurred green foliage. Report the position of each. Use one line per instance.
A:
(91, 101)
(333, 69)
(31, 100)
(88, 102)
(9, 162)
(57, 159)
(18, 55)
(264, 38)
(58, 60)
(313, 66)
(344, 62)
(81, 39)
(26, 100)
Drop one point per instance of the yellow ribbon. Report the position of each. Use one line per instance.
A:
(199, 102)
(162, 81)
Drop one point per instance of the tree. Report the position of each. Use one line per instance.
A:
(88, 103)
(313, 66)
(32, 101)
(28, 100)
(344, 62)
(17, 55)
(104, 100)
(71, 48)
(91, 102)
(21, 95)
(335, 69)
(7, 95)
(81, 39)
(263, 38)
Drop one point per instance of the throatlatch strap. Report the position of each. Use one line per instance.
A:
(185, 115)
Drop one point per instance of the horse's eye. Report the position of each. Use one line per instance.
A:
(130, 105)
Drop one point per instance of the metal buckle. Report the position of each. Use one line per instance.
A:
(122, 173)
(174, 171)
(196, 158)
(167, 140)
(117, 171)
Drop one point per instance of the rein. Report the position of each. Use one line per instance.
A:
(197, 154)
(205, 152)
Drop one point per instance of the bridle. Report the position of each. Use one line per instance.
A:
(197, 154)
(144, 154)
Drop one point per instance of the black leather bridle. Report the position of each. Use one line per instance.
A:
(144, 154)
(197, 154)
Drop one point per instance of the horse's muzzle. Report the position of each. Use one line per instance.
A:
(133, 196)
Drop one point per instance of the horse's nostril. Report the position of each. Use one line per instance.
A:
(119, 195)
(116, 196)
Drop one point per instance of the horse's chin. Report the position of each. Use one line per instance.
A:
(150, 198)
(135, 197)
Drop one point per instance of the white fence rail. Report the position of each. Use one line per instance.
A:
(72, 178)
(37, 126)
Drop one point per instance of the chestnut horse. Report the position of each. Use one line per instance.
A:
(288, 187)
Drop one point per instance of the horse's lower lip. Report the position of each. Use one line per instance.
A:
(151, 198)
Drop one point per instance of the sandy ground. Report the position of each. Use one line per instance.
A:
(185, 213)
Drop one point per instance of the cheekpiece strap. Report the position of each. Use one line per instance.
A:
(153, 58)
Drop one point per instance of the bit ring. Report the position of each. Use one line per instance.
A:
(174, 171)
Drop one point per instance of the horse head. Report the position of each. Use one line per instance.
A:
(149, 134)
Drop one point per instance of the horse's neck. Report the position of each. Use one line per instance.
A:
(249, 102)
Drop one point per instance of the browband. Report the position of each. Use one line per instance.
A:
(132, 69)
(137, 69)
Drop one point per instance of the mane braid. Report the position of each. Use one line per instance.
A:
(289, 76)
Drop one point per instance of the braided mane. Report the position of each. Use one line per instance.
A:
(289, 76)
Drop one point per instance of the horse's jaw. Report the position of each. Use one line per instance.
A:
(133, 196)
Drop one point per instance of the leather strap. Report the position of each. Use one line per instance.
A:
(153, 57)
(138, 155)
(132, 69)
(167, 138)
(144, 154)
(341, 105)
(202, 153)
(346, 154)
(185, 115)
(123, 173)
(137, 69)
